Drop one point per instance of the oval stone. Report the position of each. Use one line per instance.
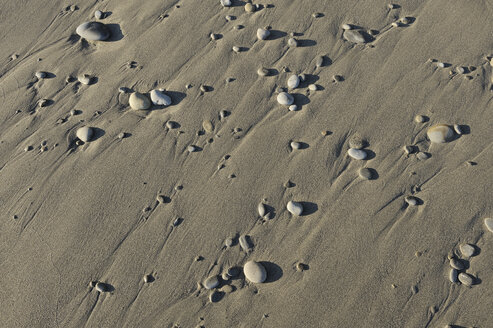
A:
(452, 276)
(365, 173)
(293, 81)
(466, 279)
(255, 272)
(294, 208)
(359, 154)
(440, 133)
(244, 243)
(456, 264)
(467, 250)
(488, 222)
(158, 97)
(93, 31)
(354, 36)
(285, 99)
(102, 287)
(211, 282)
(262, 33)
(85, 133)
(261, 209)
(139, 101)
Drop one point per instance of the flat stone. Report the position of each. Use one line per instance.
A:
(354, 36)
(85, 133)
(40, 75)
(262, 34)
(358, 154)
(467, 250)
(365, 173)
(93, 31)
(255, 272)
(139, 101)
(294, 208)
(440, 133)
(293, 81)
(158, 97)
(466, 279)
(488, 222)
(285, 99)
(211, 282)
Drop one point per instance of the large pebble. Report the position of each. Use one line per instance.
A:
(440, 133)
(467, 250)
(139, 101)
(255, 272)
(453, 275)
(488, 222)
(98, 14)
(354, 36)
(94, 31)
(285, 98)
(262, 33)
(466, 279)
(226, 3)
(359, 154)
(85, 133)
(211, 282)
(261, 209)
(158, 97)
(293, 81)
(294, 208)
(456, 264)
(244, 243)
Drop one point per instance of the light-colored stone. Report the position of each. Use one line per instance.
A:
(488, 222)
(285, 99)
(249, 8)
(453, 275)
(467, 250)
(295, 145)
(419, 119)
(365, 173)
(457, 129)
(261, 209)
(226, 3)
(211, 282)
(319, 62)
(312, 87)
(292, 42)
(456, 264)
(192, 148)
(98, 14)
(354, 36)
(228, 242)
(293, 81)
(255, 272)
(294, 208)
(139, 101)
(40, 75)
(244, 243)
(346, 27)
(158, 97)
(262, 33)
(411, 200)
(93, 31)
(358, 154)
(293, 108)
(85, 79)
(440, 133)
(85, 133)
(102, 287)
(466, 279)
(262, 71)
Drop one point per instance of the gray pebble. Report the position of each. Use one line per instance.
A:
(211, 282)
(244, 243)
(365, 173)
(93, 31)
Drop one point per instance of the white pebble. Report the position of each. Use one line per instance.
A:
(419, 119)
(467, 250)
(236, 49)
(98, 14)
(312, 87)
(294, 208)
(85, 133)
(261, 209)
(84, 79)
(93, 31)
(359, 154)
(293, 108)
(191, 148)
(262, 34)
(441, 65)
(295, 145)
(346, 27)
(226, 3)
(40, 75)
(411, 200)
(293, 81)
(255, 272)
(263, 71)
(466, 279)
(211, 282)
(228, 242)
(488, 222)
(453, 274)
(244, 244)
(365, 173)
(440, 133)
(158, 97)
(102, 287)
(285, 99)
(292, 43)
(456, 264)
(354, 36)
(139, 101)
(457, 129)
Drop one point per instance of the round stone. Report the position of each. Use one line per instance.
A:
(139, 101)
(346, 27)
(456, 264)
(295, 145)
(40, 75)
(294, 208)
(419, 119)
(226, 3)
(93, 31)
(98, 14)
(102, 287)
(228, 242)
(358, 154)
(293, 81)
(249, 8)
(255, 272)
(466, 279)
(285, 99)
(312, 87)
(488, 222)
(293, 108)
(292, 43)
(365, 173)
(158, 97)
(84, 79)
(440, 133)
(263, 71)
(411, 200)
(262, 34)
(244, 243)
(85, 133)
(354, 36)
(211, 282)
(467, 250)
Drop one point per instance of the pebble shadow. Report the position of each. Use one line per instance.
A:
(308, 208)
(97, 133)
(116, 32)
(274, 272)
(276, 34)
(176, 97)
(306, 43)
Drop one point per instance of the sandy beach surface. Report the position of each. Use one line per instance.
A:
(230, 164)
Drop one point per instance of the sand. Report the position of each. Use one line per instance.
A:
(82, 222)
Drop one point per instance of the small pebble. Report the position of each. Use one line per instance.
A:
(192, 148)
(158, 97)
(295, 145)
(262, 34)
(313, 87)
(223, 113)
(460, 70)
(358, 154)
(43, 102)
(411, 200)
(419, 119)
(263, 71)
(467, 250)
(395, 24)
(98, 14)
(28, 148)
(365, 173)
(236, 49)
(292, 43)
(228, 242)
(457, 129)
(391, 6)
(214, 36)
(316, 15)
(226, 3)
(422, 156)
(227, 289)
(441, 65)
(346, 27)
(225, 276)
(300, 267)
(85, 79)
(249, 8)
(319, 62)
(244, 243)
(439, 133)
(261, 209)
(466, 279)
(408, 149)
(148, 278)
(456, 264)
(293, 108)
(85, 133)
(285, 99)
(102, 287)
(254, 272)
(453, 275)
(488, 222)
(139, 101)
(354, 36)
(293, 81)
(405, 20)
(211, 282)
(40, 75)
(229, 18)
(294, 208)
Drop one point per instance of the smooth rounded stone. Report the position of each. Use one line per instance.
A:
(460, 70)
(358, 154)
(207, 126)
(93, 31)
(261, 209)
(262, 34)
(139, 101)
(85, 133)
(292, 43)
(255, 272)
(102, 287)
(85, 79)
(441, 65)
(346, 27)
(249, 8)
(148, 278)
(223, 113)
(226, 3)
(411, 200)
(319, 62)
(158, 97)
(488, 222)
(419, 119)
(453, 275)
(354, 36)
(395, 24)
(171, 125)
(43, 102)
(456, 264)
(227, 289)
(214, 36)
(228, 242)
(295, 145)
(98, 14)
(467, 250)
(211, 282)
(408, 149)
(422, 156)
(466, 279)
(440, 133)
(244, 243)
(405, 20)
(285, 99)
(293, 81)
(294, 208)
(312, 87)
(192, 148)
(293, 108)
(365, 173)
(40, 75)
(457, 129)
(262, 71)
(236, 49)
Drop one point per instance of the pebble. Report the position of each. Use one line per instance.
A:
(346, 27)
(236, 49)
(294, 208)
(395, 24)
(295, 145)
(312, 87)
(293, 81)
(139, 101)
(467, 250)
(285, 99)
(84, 79)
(40, 75)
(43, 102)
(225, 276)
(171, 125)
(422, 156)
(102, 287)
(300, 267)
(441, 65)
(456, 264)
(263, 71)
(255, 272)
(244, 244)
(158, 97)
(460, 70)
(359, 154)
(292, 43)
(354, 36)
(84, 133)
(226, 3)
(214, 36)
(319, 62)
(262, 34)
(419, 119)
(337, 78)
(466, 279)
(227, 289)
(365, 173)
(405, 20)
(148, 278)
(207, 126)
(408, 149)
(249, 8)
(233, 272)
(215, 296)
(261, 209)
(391, 6)
(93, 31)
(192, 148)
(457, 129)
(223, 113)
(293, 108)
(440, 133)
(452, 276)
(28, 148)
(228, 242)
(98, 14)
(488, 222)
(229, 18)
(411, 200)
(211, 282)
